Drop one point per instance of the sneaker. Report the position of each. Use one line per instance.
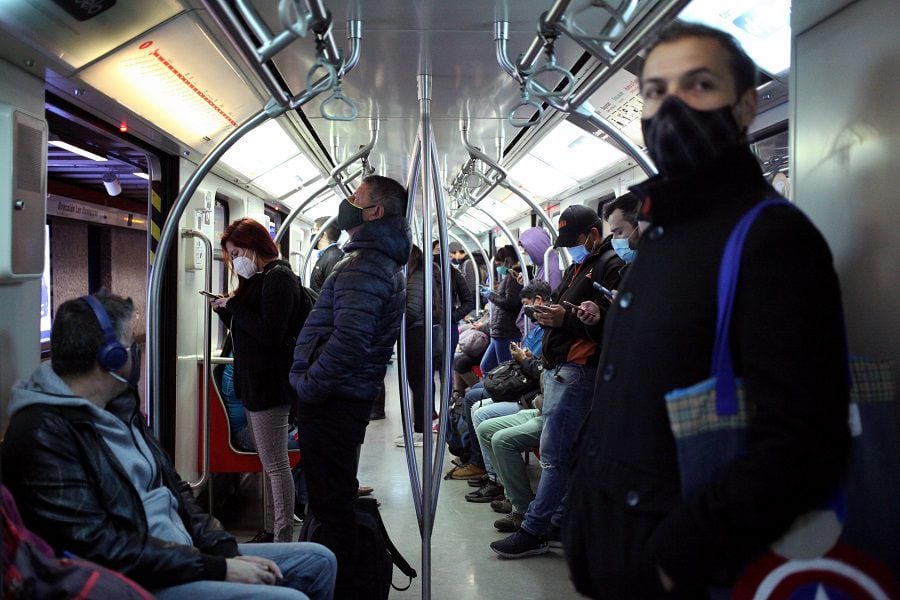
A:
(466, 472)
(400, 441)
(296, 519)
(554, 537)
(485, 493)
(520, 544)
(501, 505)
(510, 523)
(477, 482)
(262, 537)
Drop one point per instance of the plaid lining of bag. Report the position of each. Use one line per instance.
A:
(873, 380)
(692, 411)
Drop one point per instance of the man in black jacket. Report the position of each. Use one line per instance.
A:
(342, 355)
(629, 533)
(329, 253)
(90, 479)
(570, 354)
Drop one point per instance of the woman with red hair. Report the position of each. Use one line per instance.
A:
(264, 313)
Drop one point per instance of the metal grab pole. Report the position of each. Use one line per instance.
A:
(447, 354)
(544, 218)
(361, 153)
(512, 241)
(207, 322)
(547, 21)
(168, 235)
(587, 112)
(285, 225)
(424, 89)
(477, 242)
(465, 247)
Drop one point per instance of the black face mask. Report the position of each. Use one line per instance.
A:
(349, 216)
(680, 138)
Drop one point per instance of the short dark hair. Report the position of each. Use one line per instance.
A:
(743, 69)
(536, 287)
(629, 205)
(507, 255)
(389, 193)
(332, 232)
(76, 337)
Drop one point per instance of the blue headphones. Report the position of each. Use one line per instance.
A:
(112, 354)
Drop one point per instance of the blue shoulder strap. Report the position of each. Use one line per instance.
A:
(722, 367)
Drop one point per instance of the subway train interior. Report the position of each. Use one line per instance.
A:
(132, 133)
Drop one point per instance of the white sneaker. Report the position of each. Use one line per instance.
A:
(400, 442)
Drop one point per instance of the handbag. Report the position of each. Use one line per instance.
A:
(507, 382)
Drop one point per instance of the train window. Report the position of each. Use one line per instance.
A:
(221, 218)
(772, 151)
(46, 295)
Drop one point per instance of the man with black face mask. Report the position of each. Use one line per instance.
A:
(341, 358)
(629, 532)
(90, 479)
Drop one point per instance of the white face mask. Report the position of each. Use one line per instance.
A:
(244, 267)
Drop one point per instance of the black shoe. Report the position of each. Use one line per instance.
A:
(501, 505)
(485, 493)
(477, 482)
(262, 537)
(520, 544)
(376, 416)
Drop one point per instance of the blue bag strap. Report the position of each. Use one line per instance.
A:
(722, 367)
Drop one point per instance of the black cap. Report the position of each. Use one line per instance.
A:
(574, 221)
(456, 247)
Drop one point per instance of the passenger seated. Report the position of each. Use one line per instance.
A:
(473, 342)
(90, 479)
(534, 294)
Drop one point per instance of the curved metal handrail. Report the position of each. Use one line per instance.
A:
(286, 223)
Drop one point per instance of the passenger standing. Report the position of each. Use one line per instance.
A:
(507, 300)
(264, 314)
(570, 362)
(535, 241)
(329, 254)
(628, 532)
(466, 265)
(342, 354)
(415, 341)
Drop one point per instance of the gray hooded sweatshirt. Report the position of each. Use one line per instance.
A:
(125, 442)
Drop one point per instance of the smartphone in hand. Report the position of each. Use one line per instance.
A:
(603, 290)
(210, 295)
(569, 305)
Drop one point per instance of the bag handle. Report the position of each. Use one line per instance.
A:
(722, 365)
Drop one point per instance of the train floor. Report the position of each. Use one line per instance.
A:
(463, 565)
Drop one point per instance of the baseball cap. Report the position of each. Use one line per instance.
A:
(574, 221)
(456, 247)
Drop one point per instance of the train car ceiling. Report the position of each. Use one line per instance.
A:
(170, 65)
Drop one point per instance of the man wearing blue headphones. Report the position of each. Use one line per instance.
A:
(90, 479)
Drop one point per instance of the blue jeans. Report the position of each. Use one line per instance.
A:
(309, 571)
(567, 396)
(491, 410)
(496, 353)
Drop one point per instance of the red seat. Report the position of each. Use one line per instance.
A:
(223, 456)
(477, 370)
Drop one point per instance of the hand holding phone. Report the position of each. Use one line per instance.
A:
(569, 305)
(210, 295)
(603, 290)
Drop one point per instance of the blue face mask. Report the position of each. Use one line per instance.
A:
(578, 253)
(502, 270)
(623, 250)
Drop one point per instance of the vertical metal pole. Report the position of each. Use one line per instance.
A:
(207, 327)
(424, 88)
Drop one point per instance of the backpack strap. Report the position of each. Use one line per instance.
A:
(370, 505)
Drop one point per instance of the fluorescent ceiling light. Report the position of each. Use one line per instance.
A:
(574, 152)
(763, 27)
(471, 224)
(260, 151)
(77, 150)
(539, 178)
(288, 176)
(142, 175)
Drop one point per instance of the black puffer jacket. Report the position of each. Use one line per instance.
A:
(74, 493)
(346, 343)
(507, 301)
(324, 266)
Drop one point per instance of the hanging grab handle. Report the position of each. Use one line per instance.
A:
(526, 102)
(534, 87)
(330, 107)
(293, 17)
(329, 80)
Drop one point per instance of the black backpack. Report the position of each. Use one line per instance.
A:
(373, 566)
